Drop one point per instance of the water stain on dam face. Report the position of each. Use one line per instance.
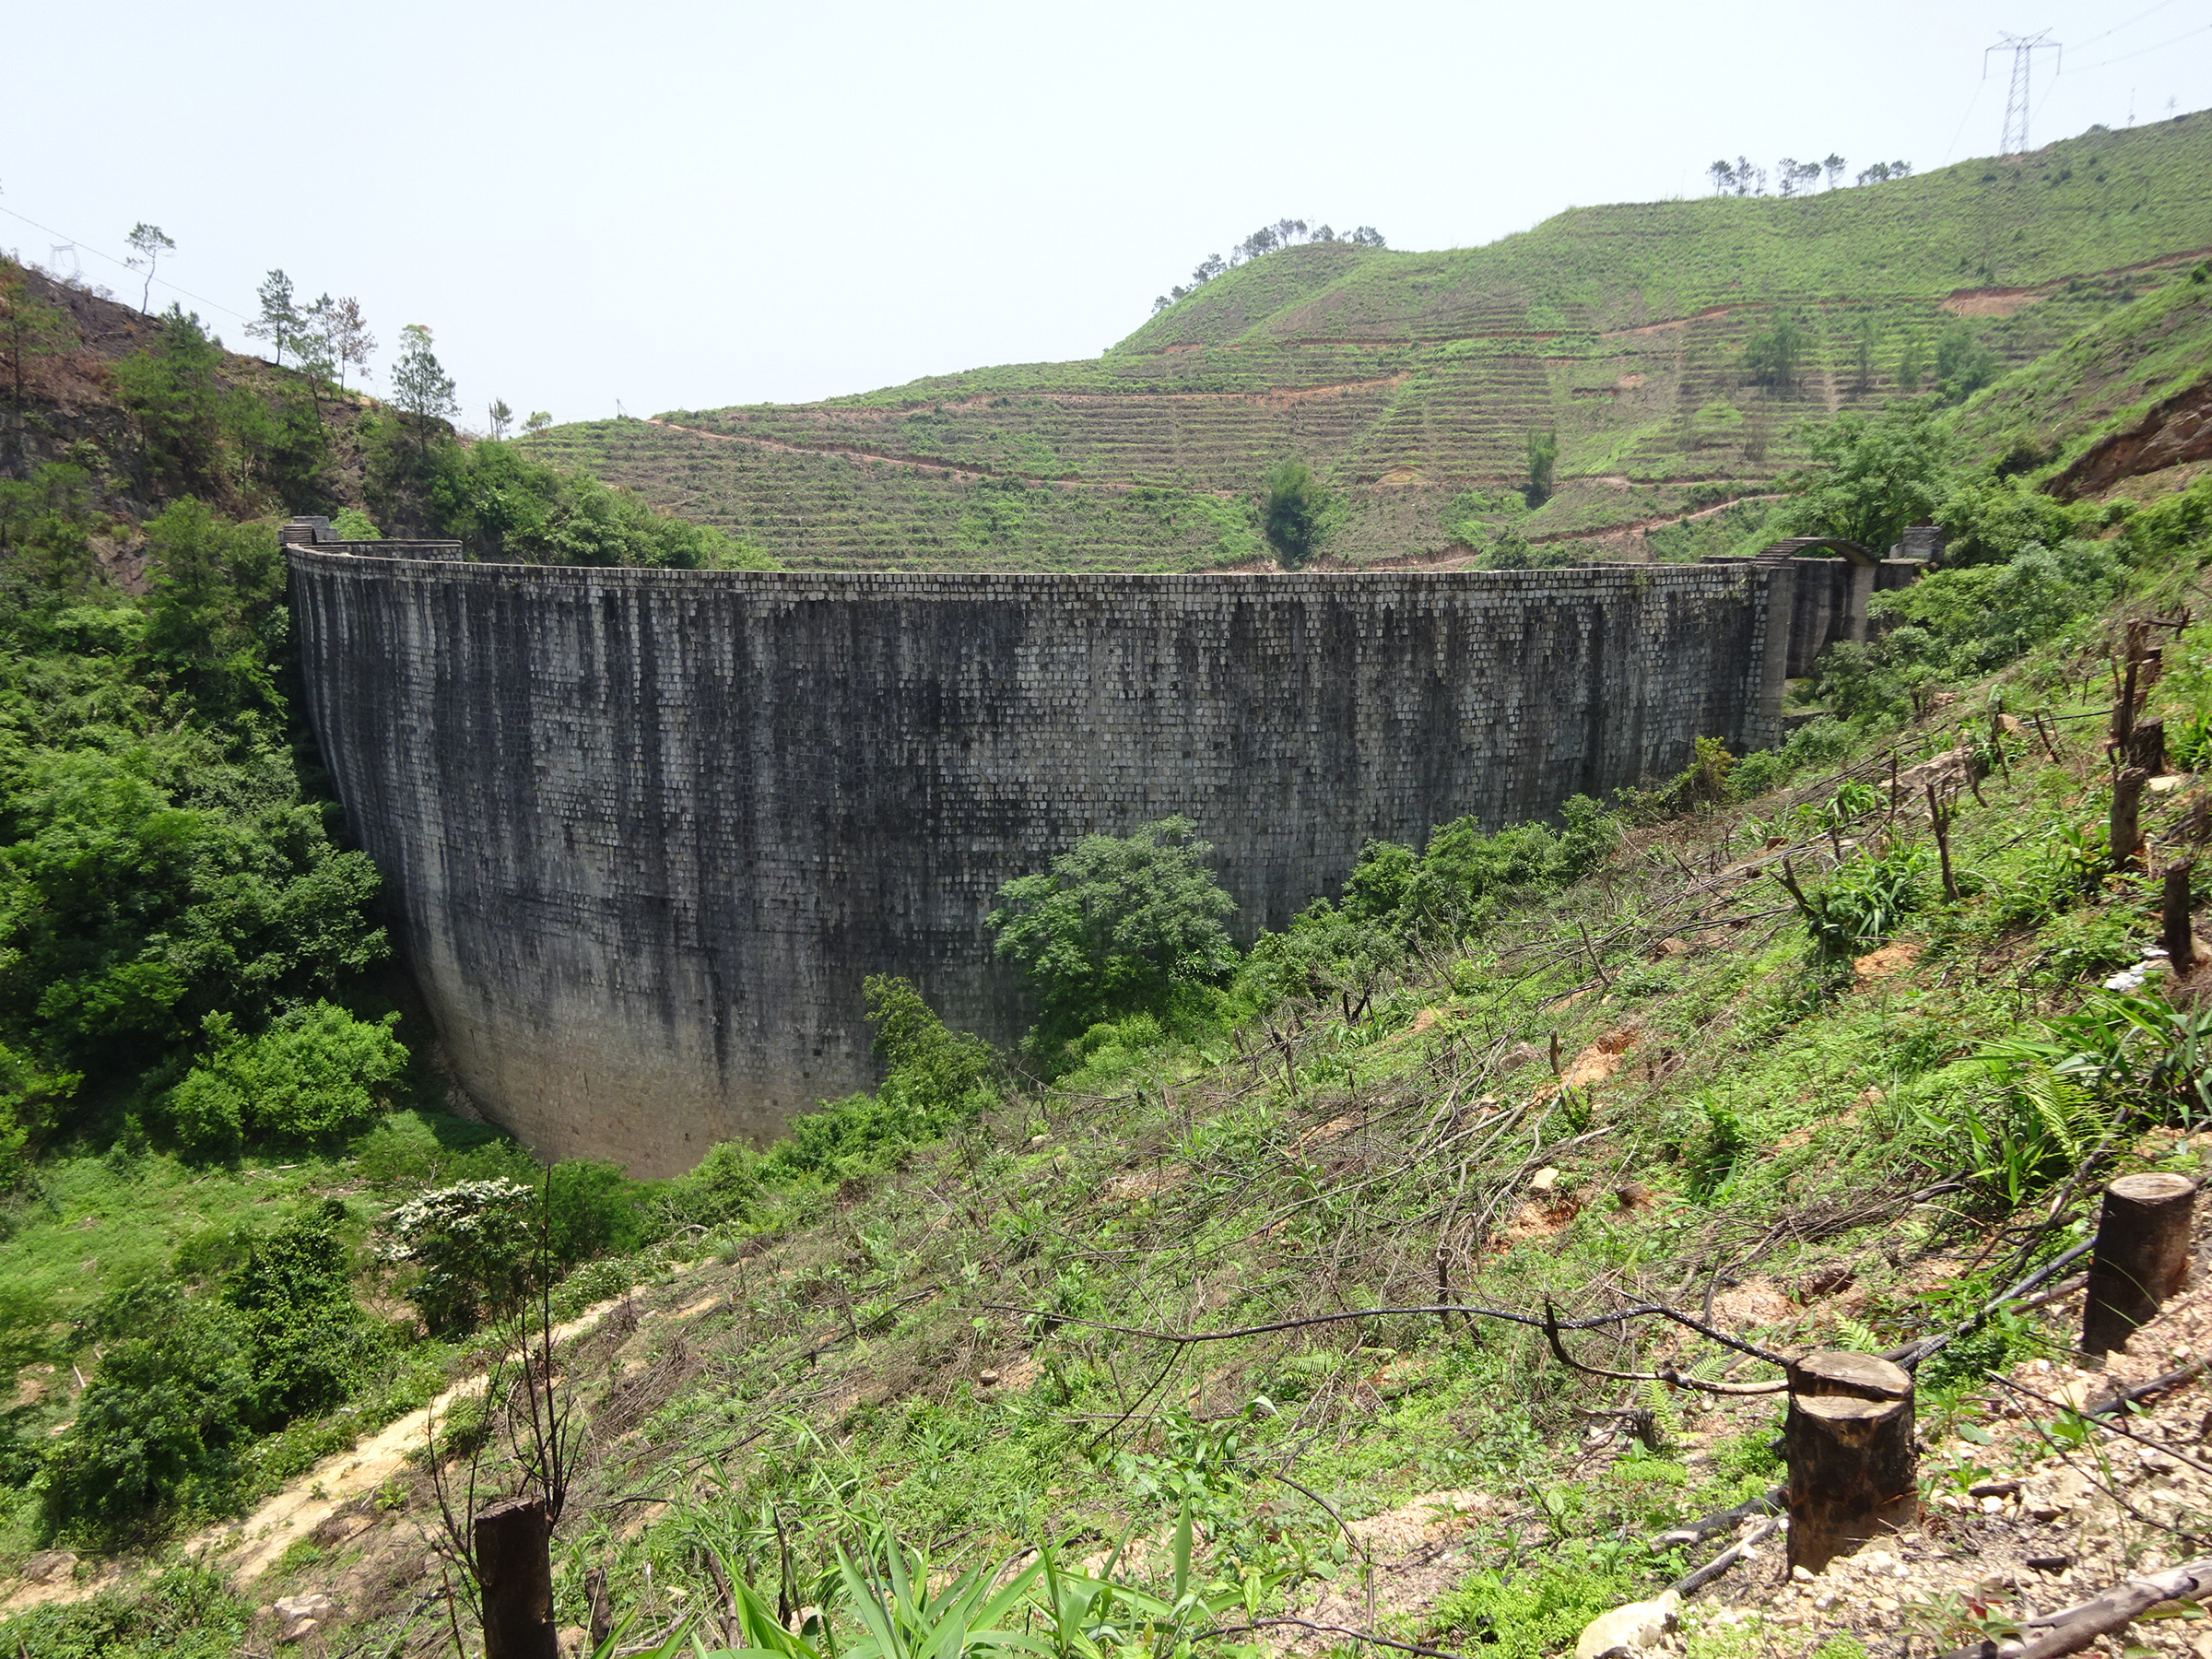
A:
(644, 832)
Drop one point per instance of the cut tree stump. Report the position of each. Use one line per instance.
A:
(2125, 837)
(2174, 931)
(514, 1573)
(1848, 1441)
(2142, 1256)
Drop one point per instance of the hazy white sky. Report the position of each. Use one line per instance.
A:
(688, 205)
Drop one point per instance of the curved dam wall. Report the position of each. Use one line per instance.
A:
(644, 832)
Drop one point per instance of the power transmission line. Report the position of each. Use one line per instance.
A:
(104, 253)
(2023, 49)
(2156, 46)
(2116, 27)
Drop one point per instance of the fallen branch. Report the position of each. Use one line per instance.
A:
(2121, 1398)
(1767, 1503)
(1673, 1376)
(2072, 1629)
(1588, 1323)
(1910, 1354)
(2109, 1428)
(1327, 1630)
(1728, 1558)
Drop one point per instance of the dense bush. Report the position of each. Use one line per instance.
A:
(508, 508)
(305, 1337)
(160, 1424)
(934, 1081)
(315, 1072)
(1396, 900)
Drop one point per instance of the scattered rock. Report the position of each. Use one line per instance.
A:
(1544, 1181)
(1823, 1281)
(48, 1566)
(987, 1377)
(298, 1616)
(1630, 1632)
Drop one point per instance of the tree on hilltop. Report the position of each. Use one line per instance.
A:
(279, 322)
(148, 243)
(539, 420)
(421, 386)
(1367, 236)
(1833, 167)
(500, 416)
(1795, 175)
(350, 341)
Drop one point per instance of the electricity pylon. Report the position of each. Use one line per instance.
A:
(2023, 49)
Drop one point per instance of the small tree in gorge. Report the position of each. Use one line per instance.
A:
(1117, 925)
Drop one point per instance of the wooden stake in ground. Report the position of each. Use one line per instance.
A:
(2142, 1256)
(2174, 931)
(1940, 821)
(1848, 1440)
(514, 1574)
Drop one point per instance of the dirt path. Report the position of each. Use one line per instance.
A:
(247, 1549)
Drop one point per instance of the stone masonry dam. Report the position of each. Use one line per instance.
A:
(644, 832)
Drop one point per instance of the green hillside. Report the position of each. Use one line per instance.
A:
(2048, 412)
(1410, 381)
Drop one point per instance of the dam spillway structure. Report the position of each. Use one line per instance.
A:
(644, 832)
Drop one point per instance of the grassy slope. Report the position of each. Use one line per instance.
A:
(1742, 1125)
(1407, 379)
(2102, 379)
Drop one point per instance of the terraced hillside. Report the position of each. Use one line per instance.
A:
(1411, 381)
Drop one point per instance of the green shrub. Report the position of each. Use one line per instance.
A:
(1868, 899)
(158, 1427)
(1297, 513)
(189, 1612)
(315, 1072)
(306, 1343)
(1537, 1610)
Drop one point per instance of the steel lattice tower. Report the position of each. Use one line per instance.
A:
(2023, 49)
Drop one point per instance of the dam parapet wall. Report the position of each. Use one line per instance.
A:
(645, 832)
